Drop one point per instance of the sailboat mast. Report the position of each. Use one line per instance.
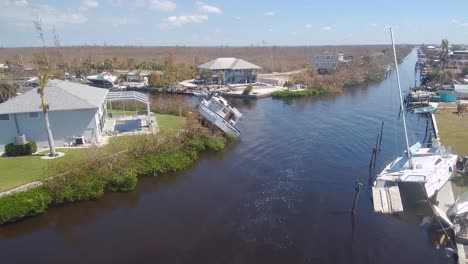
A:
(408, 153)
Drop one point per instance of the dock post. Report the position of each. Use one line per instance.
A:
(357, 189)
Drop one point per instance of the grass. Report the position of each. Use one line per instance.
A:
(16, 171)
(453, 130)
(116, 113)
(169, 124)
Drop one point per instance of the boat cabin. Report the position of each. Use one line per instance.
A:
(221, 107)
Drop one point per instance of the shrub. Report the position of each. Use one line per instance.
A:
(303, 93)
(20, 205)
(461, 108)
(247, 90)
(14, 150)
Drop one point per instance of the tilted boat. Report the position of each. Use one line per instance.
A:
(217, 111)
(416, 175)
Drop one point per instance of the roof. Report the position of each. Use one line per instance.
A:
(60, 95)
(461, 88)
(142, 73)
(228, 63)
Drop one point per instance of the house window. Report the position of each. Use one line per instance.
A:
(34, 114)
(5, 117)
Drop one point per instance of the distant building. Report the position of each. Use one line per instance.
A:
(231, 71)
(75, 110)
(328, 60)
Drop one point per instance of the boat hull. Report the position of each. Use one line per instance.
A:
(218, 121)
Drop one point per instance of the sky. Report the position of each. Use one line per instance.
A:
(232, 22)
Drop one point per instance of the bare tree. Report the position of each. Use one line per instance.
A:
(56, 38)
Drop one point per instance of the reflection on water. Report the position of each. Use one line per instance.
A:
(281, 194)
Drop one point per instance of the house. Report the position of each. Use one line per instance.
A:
(132, 76)
(75, 110)
(328, 60)
(461, 90)
(230, 71)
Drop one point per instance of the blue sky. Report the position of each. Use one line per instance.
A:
(233, 22)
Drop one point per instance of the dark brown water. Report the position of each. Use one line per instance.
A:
(282, 194)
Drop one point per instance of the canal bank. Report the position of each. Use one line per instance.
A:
(281, 194)
(446, 196)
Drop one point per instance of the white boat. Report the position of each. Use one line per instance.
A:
(217, 111)
(421, 95)
(200, 93)
(104, 79)
(417, 175)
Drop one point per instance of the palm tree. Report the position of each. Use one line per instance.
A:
(445, 52)
(446, 77)
(138, 75)
(7, 90)
(43, 79)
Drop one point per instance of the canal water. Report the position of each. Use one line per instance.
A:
(281, 194)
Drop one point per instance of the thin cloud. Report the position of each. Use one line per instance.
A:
(120, 21)
(88, 4)
(162, 5)
(237, 18)
(204, 8)
(269, 13)
(326, 28)
(459, 23)
(21, 3)
(180, 21)
(20, 14)
(308, 26)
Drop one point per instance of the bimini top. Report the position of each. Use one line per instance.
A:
(228, 64)
(59, 95)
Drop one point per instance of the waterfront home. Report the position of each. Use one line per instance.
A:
(328, 60)
(230, 71)
(75, 111)
(461, 90)
(132, 76)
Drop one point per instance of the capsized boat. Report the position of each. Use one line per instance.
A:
(217, 111)
(456, 218)
(104, 80)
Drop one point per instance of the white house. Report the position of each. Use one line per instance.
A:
(231, 71)
(328, 60)
(75, 110)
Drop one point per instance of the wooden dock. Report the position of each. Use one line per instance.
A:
(387, 200)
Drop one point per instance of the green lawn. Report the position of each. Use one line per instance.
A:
(453, 130)
(16, 171)
(121, 112)
(169, 124)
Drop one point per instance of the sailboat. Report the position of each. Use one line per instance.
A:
(416, 175)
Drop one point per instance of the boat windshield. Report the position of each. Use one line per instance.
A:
(398, 165)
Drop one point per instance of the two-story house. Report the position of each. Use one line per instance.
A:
(230, 71)
(327, 60)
